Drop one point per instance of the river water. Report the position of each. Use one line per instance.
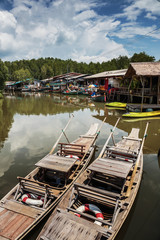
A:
(30, 125)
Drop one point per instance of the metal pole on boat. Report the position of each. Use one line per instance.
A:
(104, 147)
(63, 131)
(137, 162)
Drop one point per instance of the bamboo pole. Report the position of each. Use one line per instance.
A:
(137, 162)
(94, 139)
(104, 147)
(63, 131)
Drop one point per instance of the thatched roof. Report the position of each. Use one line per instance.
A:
(143, 69)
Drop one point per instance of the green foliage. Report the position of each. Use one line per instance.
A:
(142, 57)
(3, 74)
(21, 75)
(43, 68)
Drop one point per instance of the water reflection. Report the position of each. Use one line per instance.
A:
(30, 125)
(143, 221)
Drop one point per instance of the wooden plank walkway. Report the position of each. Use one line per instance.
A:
(135, 107)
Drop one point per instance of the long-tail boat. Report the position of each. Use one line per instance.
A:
(41, 190)
(100, 200)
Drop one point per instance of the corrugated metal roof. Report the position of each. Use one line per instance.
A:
(114, 73)
(143, 69)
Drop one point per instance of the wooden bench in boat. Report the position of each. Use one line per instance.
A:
(68, 226)
(19, 207)
(111, 167)
(118, 153)
(56, 163)
(72, 149)
(35, 187)
(128, 147)
(95, 194)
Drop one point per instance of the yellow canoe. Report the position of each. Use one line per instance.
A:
(116, 104)
(140, 119)
(141, 114)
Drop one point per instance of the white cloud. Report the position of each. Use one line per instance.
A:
(133, 29)
(150, 16)
(7, 21)
(151, 7)
(65, 29)
(68, 29)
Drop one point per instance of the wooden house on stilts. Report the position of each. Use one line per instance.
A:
(144, 83)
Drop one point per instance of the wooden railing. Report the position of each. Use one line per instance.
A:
(71, 149)
(137, 91)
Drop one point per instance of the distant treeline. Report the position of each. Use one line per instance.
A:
(43, 68)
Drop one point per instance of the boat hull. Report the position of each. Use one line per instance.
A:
(89, 191)
(100, 98)
(141, 114)
(18, 219)
(116, 104)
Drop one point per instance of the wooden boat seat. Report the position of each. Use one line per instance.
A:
(72, 149)
(18, 207)
(111, 167)
(35, 187)
(121, 154)
(57, 163)
(98, 195)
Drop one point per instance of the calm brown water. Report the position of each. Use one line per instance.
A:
(30, 125)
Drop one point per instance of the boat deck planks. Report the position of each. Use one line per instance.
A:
(111, 167)
(21, 208)
(104, 186)
(56, 163)
(17, 217)
(87, 141)
(129, 144)
(68, 226)
(13, 223)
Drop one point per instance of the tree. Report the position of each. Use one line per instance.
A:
(21, 75)
(3, 75)
(142, 57)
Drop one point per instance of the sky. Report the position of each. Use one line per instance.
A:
(81, 30)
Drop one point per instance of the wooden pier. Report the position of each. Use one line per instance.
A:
(138, 107)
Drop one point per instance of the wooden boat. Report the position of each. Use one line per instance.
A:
(98, 98)
(140, 119)
(116, 104)
(100, 200)
(40, 191)
(70, 92)
(141, 114)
